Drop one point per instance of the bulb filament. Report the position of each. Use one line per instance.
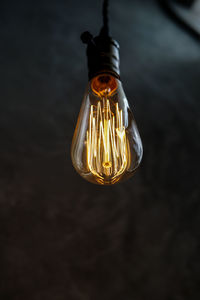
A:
(107, 146)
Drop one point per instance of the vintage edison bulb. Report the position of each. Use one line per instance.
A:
(106, 146)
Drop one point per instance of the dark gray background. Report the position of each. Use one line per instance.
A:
(62, 238)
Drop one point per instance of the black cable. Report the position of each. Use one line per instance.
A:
(105, 29)
(87, 37)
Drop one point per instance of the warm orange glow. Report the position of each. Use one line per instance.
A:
(107, 145)
(104, 84)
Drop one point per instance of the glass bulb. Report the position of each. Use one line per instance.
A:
(106, 146)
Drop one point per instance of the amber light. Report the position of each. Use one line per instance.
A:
(106, 147)
(104, 84)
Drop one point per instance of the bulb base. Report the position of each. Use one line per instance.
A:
(102, 54)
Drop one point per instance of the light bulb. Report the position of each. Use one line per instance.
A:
(106, 146)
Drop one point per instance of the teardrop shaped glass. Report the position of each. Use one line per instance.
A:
(106, 146)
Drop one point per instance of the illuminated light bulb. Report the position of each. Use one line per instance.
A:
(106, 146)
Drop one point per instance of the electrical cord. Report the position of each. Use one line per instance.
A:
(87, 37)
(105, 29)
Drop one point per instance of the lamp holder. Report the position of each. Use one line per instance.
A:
(102, 50)
(102, 55)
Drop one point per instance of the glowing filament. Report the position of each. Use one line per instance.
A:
(107, 146)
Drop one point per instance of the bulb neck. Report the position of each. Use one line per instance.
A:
(102, 55)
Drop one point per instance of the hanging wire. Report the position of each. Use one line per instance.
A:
(87, 37)
(105, 29)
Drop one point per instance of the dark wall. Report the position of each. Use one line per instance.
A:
(61, 237)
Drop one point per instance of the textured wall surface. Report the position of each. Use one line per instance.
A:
(61, 237)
